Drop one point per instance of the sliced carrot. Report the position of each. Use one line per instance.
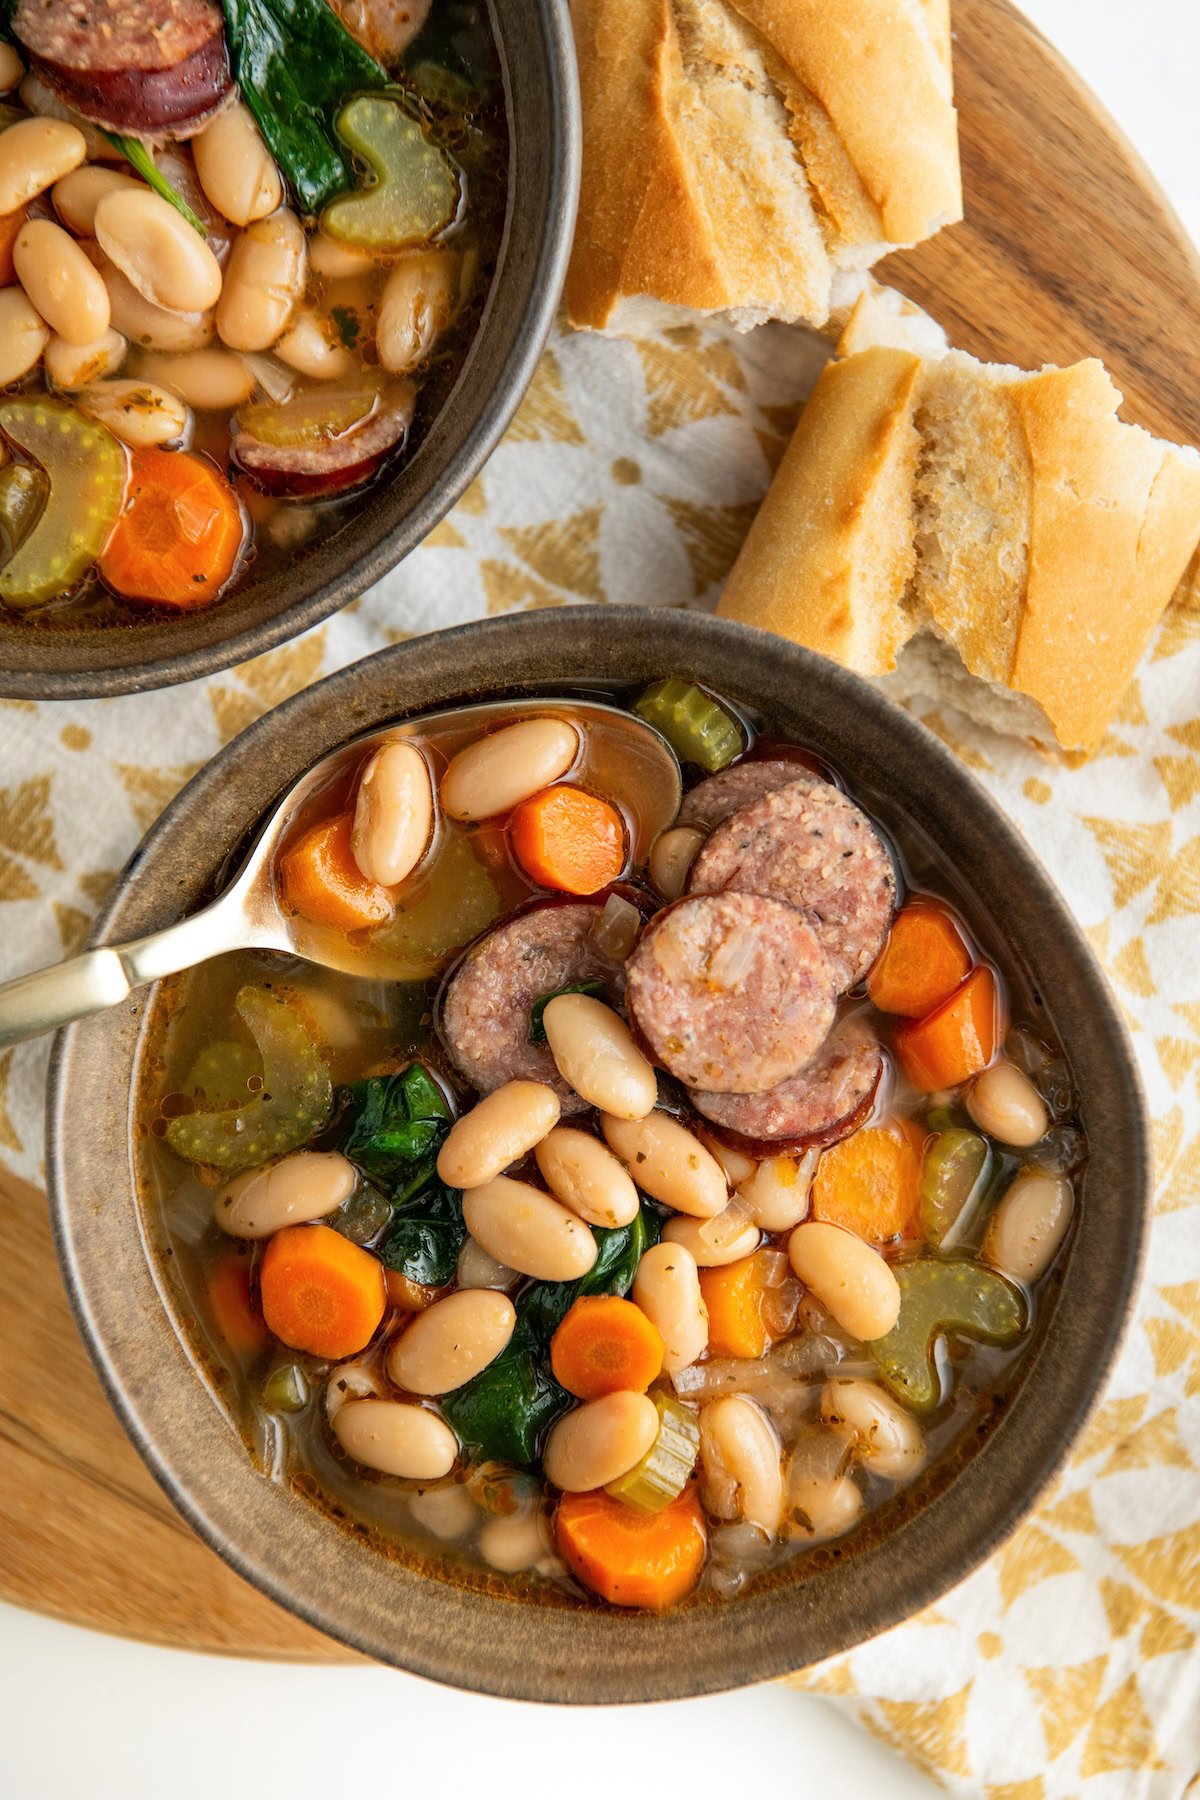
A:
(320, 1292)
(180, 533)
(956, 1040)
(234, 1309)
(735, 1296)
(870, 1183)
(604, 1345)
(566, 838)
(409, 1296)
(630, 1557)
(923, 961)
(322, 881)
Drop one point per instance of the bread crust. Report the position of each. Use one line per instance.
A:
(704, 190)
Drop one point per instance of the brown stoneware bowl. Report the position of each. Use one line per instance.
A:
(76, 662)
(564, 1651)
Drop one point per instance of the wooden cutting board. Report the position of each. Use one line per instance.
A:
(1069, 248)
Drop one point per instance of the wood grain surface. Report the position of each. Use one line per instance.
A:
(1069, 248)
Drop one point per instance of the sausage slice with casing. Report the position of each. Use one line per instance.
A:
(824, 1103)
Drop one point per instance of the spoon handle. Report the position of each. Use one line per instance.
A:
(104, 977)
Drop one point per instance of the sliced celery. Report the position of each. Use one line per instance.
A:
(24, 491)
(660, 1476)
(286, 1389)
(956, 1167)
(936, 1298)
(414, 191)
(697, 729)
(86, 469)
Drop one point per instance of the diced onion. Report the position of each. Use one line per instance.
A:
(717, 1232)
(276, 382)
(733, 958)
(616, 931)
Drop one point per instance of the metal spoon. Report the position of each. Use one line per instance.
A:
(248, 916)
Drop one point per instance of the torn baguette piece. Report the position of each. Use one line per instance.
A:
(738, 154)
(975, 533)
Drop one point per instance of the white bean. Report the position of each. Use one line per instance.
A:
(78, 194)
(451, 1341)
(737, 1165)
(525, 1229)
(667, 1288)
(209, 380)
(476, 1269)
(137, 412)
(155, 248)
(885, 1438)
(307, 1185)
(848, 1277)
(152, 326)
(599, 1442)
(581, 1172)
(595, 1054)
(685, 1231)
(264, 280)
(311, 346)
(11, 69)
(514, 1544)
(1026, 1231)
(668, 1163)
(72, 366)
(671, 858)
(45, 104)
(1004, 1103)
(34, 154)
(60, 282)
(778, 1190)
(23, 334)
(337, 262)
(393, 814)
(396, 1439)
(355, 1380)
(498, 1131)
(498, 771)
(417, 305)
(739, 1443)
(820, 1508)
(236, 170)
(448, 1512)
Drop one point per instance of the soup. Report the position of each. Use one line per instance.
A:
(670, 1197)
(243, 256)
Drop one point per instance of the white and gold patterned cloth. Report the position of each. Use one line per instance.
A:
(1069, 1664)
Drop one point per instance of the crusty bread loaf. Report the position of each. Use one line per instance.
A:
(738, 153)
(946, 524)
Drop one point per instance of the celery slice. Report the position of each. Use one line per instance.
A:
(86, 470)
(23, 493)
(935, 1298)
(414, 192)
(956, 1166)
(697, 729)
(660, 1476)
(286, 1389)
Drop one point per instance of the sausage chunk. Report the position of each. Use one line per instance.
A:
(487, 1002)
(730, 992)
(140, 66)
(716, 799)
(825, 1102)
(809, 845)
(326, 465)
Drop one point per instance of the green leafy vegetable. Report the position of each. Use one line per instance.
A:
(938, 1297)
(414, 189)
(537, 1025)
(139, 157)
(696, 727)
(426, 1236)
(363, 1217)
(295, 62)
(394, 1127)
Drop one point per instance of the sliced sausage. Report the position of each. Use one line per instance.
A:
(385, 28)
(713, 801)
(809, 845)
(730, 992)
(825, 1102)
(327, 465)
(484, 1015)
(138, 66)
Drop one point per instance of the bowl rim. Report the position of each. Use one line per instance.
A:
(563, 163)
(491, 1645)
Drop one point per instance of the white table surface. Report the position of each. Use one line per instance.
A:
(95, 1717)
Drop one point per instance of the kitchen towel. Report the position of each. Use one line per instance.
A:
(1068, 1665)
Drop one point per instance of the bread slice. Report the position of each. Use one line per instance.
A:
(737, 153)
(946, 524)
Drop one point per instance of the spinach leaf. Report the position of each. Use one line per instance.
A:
(426, 1237)
(396, 1126)
(537, 1024)
(503, 1412)
(295, 62)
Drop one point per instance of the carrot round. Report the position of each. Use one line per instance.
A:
(566, 838)
(234, 1309)
(870, 1183)
(180, 534)
(320, 1292)
(322, 881)
(923, 960)
(630, 1557)
(734, 1295)
(957, 1039)
(605, 1345)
